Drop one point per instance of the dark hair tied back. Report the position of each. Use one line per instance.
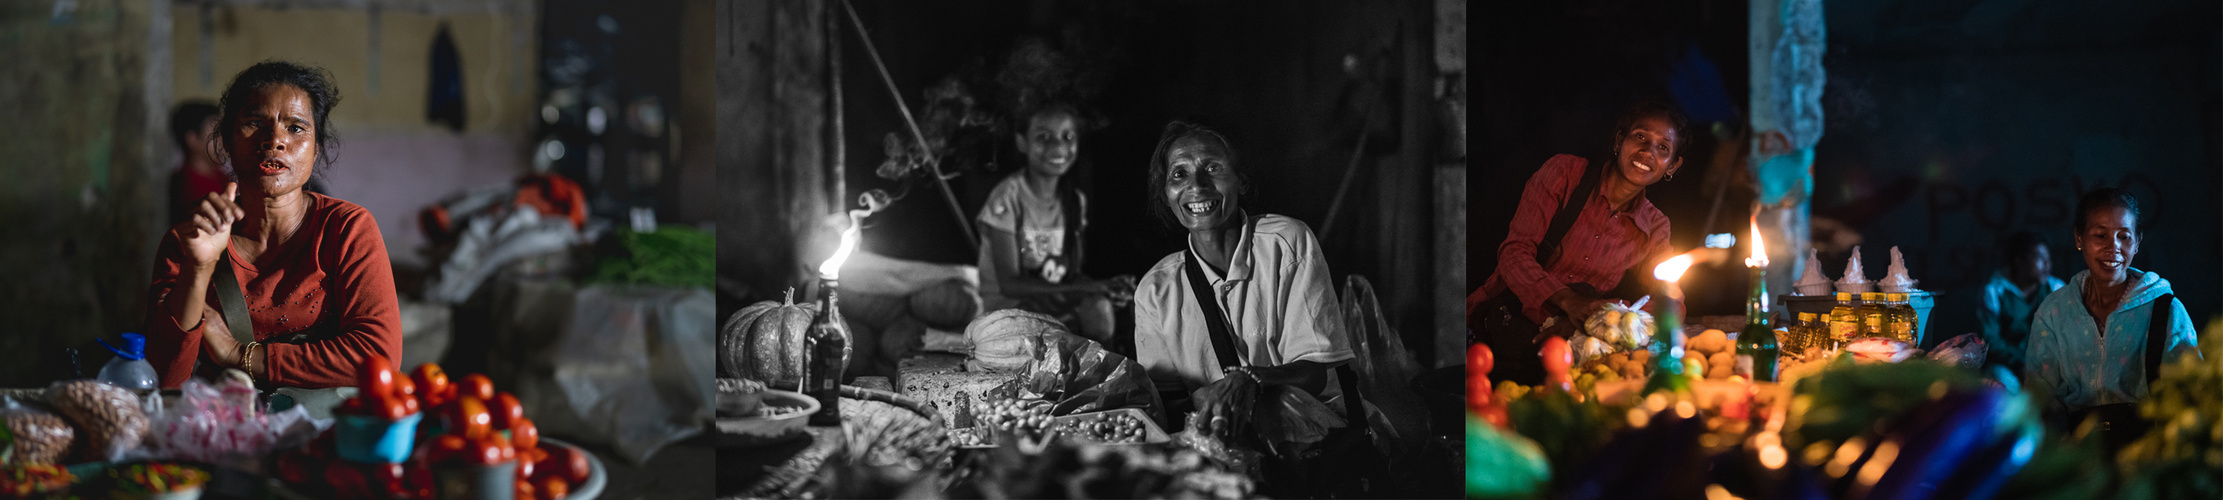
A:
(1651, 109)
(2105, 198)
(323, 96)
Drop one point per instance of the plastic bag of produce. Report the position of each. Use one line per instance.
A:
(1235, 458)
(220, 423)
(41, 437)
(1965, 351)
(1286, 414)
(109, 417)
(1081, 377)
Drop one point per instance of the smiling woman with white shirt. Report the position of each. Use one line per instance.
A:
(2090, 340)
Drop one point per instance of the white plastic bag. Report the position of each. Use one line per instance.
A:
(635, 363)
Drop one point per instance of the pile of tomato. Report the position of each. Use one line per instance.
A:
(472, 429)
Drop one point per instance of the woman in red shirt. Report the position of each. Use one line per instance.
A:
(318, 289)
(1612, 230)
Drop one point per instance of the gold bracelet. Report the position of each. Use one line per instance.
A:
(249, 359)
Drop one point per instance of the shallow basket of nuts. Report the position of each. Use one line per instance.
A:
(1121, 426)
(775, 416)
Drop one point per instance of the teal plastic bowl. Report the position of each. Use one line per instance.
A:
(370, 440)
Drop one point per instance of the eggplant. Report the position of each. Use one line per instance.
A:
(1932, 442)
(1981, 476)
(1660, 460)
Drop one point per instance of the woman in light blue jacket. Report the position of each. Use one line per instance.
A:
(2068, 350)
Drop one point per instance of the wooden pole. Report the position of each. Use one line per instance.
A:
(940, 182)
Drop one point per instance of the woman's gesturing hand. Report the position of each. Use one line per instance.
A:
(208, 232)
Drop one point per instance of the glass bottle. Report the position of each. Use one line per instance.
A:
(1809, 334)
(1899, 317)
(1870, 312)
(1757, 348)
(827, 346)
(1844, 326)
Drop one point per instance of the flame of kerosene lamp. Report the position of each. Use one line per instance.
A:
(1672, 269)
(831, 269)
(1759, 256)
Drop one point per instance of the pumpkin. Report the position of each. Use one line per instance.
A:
(948, 305)
(764, 341)
(1006, 340)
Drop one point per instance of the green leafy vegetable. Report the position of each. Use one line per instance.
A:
(670, 255)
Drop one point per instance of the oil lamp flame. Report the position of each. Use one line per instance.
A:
(831, 269)
(1759, 251)
(1673, 268)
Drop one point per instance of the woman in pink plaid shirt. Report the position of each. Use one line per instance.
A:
(1612, 231)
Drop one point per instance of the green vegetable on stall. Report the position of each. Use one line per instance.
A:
(1568, 431)
(1852, 399)
(670, 255)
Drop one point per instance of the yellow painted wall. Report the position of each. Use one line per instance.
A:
(499, 65)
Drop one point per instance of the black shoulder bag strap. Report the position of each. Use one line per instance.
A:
(232, 300)
(2157, 336)
(1223, 341)
(1569, 210)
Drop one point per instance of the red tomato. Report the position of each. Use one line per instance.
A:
(525, 465)
(1480, 360)
(538, 457)
(347, 482)
(478, 386)
(432, 384)
(484, 452)
(567, 463)
(506, 410)
(390, 478)
(509, 451)
(1557, 358)
(404, 386)
(526, 491)
(385, 406)
(375, 377)
(1556, 354)
(409, 405)
(553, 488)
(467, 417)
(446, 448)
(524, 434)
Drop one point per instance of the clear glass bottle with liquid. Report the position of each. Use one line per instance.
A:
(1810, 334)
(1844, 325)
(1870, 311)
(1899, 318)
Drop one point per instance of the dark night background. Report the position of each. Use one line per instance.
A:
(1950, 125)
